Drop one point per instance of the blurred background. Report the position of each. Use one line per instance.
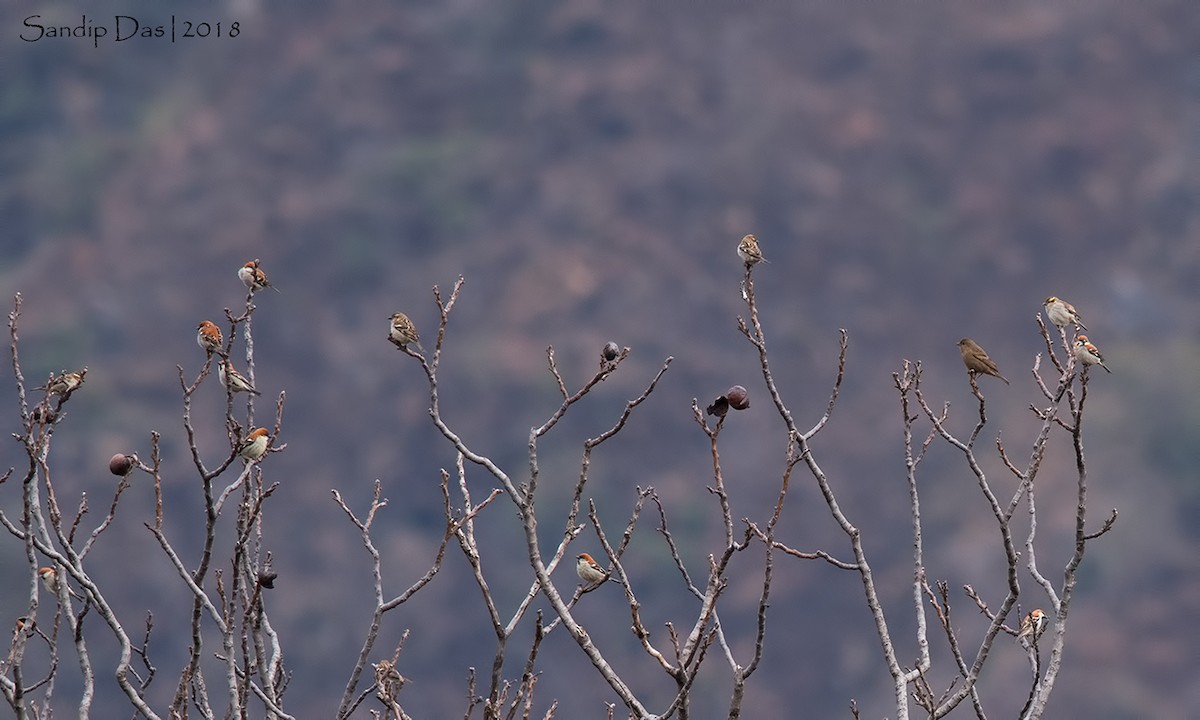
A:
(915, 172)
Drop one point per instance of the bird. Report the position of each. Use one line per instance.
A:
(50, 579)
(976, 359)
(590, 572)
(1088, 354)
(65, 383)
(1062, 313)
(388, 682)
(234, 380)
(748, 251)
(402, 331)
(1033, 624)
(254, 278)
(208, 336)
(253, 447)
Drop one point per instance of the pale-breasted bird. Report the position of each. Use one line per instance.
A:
(1062, 313)
(234, 380)
(253, 277)
(1033, 624)
(977, 360)
(590, 572)
(402, 331)
(748, 251)
(64, 383)
(1087, 353)
(50, 579)
(254, 446)
(208, 336)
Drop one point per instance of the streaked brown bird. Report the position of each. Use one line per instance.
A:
(977, 361)
(1033, 625)
(1088, 354)
(1062, 313)
(748, 251)
(591, 573)
(253, 277)
(234, 380)
(208, 336)
(65, 383)
(403, 331)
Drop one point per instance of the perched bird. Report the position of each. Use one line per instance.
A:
(254, 446)
(1086, 353)
(590, 571)
(50, 579)
(748, 251)
(402, 331)
(1033, 624)
(388, 682)
(1062, 313)
(65, 383)
(254, 278)
(208, 336)
(234, 380)
(977, 360)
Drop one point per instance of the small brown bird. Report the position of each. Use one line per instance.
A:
(1033, 624)
(65, 383)
(977, 360)
(402, 331)
(589, 571)
(1062, 313)
(388, 682)
(254, 278)
(208, 336)
(748, 251)
(1088, 354)
(234, 380)
(50, 579)
(254, 446)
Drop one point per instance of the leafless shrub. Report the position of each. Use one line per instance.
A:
(236, 665)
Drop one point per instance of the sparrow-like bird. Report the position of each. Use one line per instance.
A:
(1033, 624)
(388, 682)
(977, 361)
(234, 380)
(65, 383)
(1087, 353)
(254, 278)
(402, 331)
(748, 251)
(254, 446)
(208, 336)
(1062, 313)
(590, 572)
(50, 579)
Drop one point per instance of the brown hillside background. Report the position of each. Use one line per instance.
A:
(915, 172)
